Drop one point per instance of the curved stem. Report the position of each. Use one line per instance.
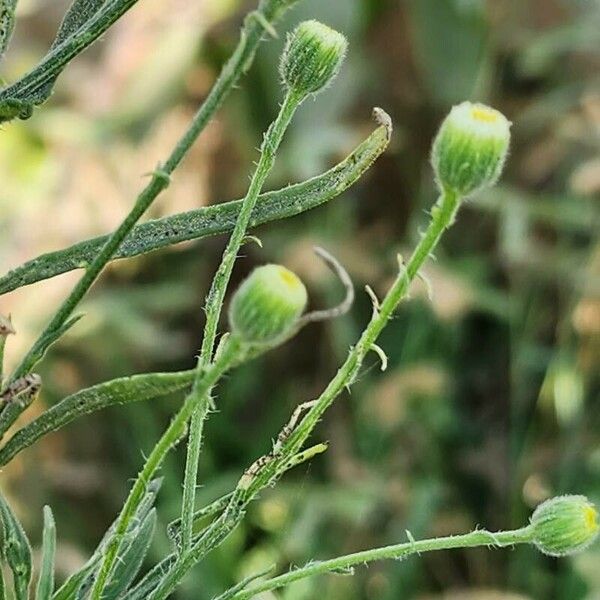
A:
(170, 437)
(216, 296)
(397, 551)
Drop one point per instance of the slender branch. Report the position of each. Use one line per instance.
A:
(216, 297)
(395, 552)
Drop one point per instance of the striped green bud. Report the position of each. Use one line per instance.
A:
(312, 57)
(564, 525)
(267, 305)
(470, 148)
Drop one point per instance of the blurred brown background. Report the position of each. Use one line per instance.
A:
(490, 404)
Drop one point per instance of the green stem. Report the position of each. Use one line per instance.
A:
(251, 35)
(442, 216)
(395, 552)
(170, 437)
(216, 297)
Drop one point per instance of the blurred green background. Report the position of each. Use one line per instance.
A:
(491, 401)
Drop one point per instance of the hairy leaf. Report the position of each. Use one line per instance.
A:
(7, 23)
(45, 586)
(118, 391)
(131, 559)
(16, 550)
(208, 221)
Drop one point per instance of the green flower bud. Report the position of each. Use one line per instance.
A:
(267, 304)
(470, 148)
(564, 525)
(312, 57)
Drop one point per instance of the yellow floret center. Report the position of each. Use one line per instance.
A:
(289, 278)
(484, 114)
(590, 515)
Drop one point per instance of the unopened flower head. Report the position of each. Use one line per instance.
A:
(564, 525)
(470, 148)
(267, 304)
(312, 57)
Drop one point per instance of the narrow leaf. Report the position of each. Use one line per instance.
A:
(78, 583)
(16, 550)
(209, 221)
(118, 391)
(79, 13)
(70, 588)
(7, 23)
(45, 586)
(130, 561)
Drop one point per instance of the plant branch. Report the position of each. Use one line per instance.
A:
(216, 297)
(395, 552)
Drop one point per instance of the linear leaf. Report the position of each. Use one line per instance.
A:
(81, 581)
(16, 550)
(118, 391)
(45, 586)
(131, 560)
(7, 23)
(208, 221)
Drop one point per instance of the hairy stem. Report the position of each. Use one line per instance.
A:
(395, 552)
(170, 437)
(442, 216)
(216, 297)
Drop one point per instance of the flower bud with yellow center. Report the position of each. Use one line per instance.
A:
(267, 305)
(312, 58)
(470, 148)
(564, 525)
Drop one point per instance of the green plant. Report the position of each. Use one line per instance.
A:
(267, 310)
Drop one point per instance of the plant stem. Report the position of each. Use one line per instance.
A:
(238, 63)
(216, 296)
(442, 216)
(170, 437)
(397, 551)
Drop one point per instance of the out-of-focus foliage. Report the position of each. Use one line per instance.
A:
(490, 403)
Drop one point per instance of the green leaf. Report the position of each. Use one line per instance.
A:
(209, 221)
(131, 559)
(80, 582)
(34, 88)
(79, 13)
(7, 23)
(70, 588)
(45, 586)
(16, 550)
(118, 391)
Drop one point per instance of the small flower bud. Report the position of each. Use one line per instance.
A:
(564, 525)
(470, 148)
(267, 304)
(312, 57)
